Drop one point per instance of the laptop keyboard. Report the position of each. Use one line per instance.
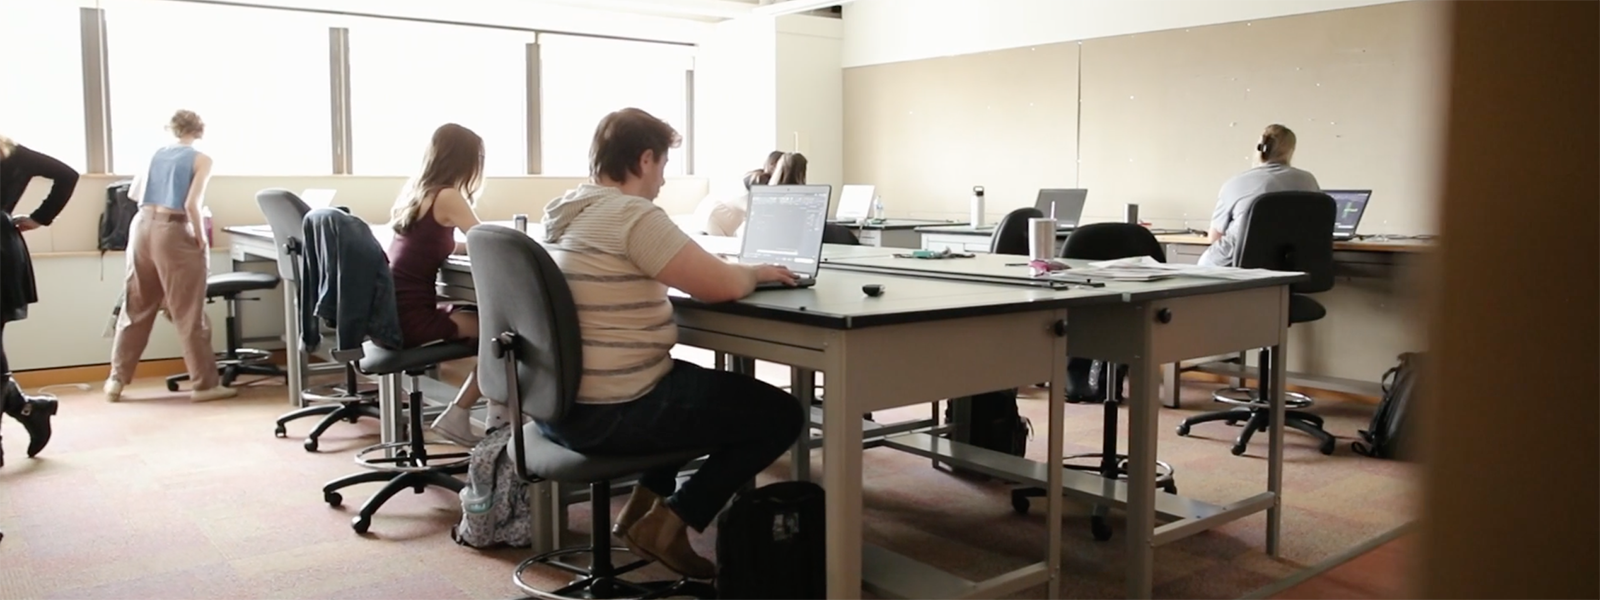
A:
(799, 282)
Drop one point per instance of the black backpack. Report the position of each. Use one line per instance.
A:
(117, 220)
(1385, 437)
(771, 543)
(989, 421)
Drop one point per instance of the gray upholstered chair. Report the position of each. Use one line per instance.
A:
(528, 324)
(348, 400)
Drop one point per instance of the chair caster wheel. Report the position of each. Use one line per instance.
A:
(1019, 503)
(1232, 423)
(1100, 528)
(280, 431)
(172, 386)
(1183, 429)
(1238, 450)
(334, 499)
(311, 444)
(1327, 448)
(360, 524)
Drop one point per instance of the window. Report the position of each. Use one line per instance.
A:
(407, 79)
(583, 79)
(41, 78)
(258, 78)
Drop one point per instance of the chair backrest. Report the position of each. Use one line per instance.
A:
(834, 233)
(1291, 231)
(521, 292)
(285, 213)
(1011, 235)
(1111, 241)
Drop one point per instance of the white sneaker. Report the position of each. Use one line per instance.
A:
(455, 424)
(216, 393)
(113, 390)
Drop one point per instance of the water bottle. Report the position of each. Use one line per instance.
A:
(877, 208)
(475, 500)
(977, 206)
(205, 224)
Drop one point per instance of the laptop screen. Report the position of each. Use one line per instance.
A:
(785, 226)
(1065, 204)
(1350, 205)
(317, 198)
(855, 202)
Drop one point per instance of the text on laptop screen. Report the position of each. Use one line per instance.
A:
(1065, 204)
(785, 226)
(1350, 204)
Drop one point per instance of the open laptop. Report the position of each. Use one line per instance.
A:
(784, 227)
(316, 198)
(855, 203)
(1351, 205)
(1065, 205)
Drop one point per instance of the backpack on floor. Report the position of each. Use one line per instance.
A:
(501, 518)
(117, 220)
(771, 543)
(989, 421)
(1385, 437)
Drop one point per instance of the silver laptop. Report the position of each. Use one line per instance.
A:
(1351, 205)
(1063, 205)
(784, 227)
(855, 202)
(316, 198)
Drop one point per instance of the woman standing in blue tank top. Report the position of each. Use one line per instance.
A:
(167, 263)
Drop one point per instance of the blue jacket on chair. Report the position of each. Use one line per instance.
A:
(345, 280)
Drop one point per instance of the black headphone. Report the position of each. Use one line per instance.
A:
(1265, 148)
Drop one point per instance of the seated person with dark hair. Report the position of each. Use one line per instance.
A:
(620, 253)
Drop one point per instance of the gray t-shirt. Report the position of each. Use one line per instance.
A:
(1236, 198)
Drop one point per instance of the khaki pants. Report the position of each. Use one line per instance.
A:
(166, 269)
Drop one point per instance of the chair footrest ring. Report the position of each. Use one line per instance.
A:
(335, 392)
(590, 585)
(1081, 462)
(1252, 398)
(397, 457)
(245, 356)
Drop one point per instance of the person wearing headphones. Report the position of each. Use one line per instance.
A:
(1239, 194)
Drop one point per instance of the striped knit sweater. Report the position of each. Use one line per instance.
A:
(610, 246)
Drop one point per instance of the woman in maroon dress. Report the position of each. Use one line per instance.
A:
(431, 207)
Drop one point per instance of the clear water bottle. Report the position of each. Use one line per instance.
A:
(877, 208)
(476, 500)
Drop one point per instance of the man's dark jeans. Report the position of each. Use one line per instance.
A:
(743, 422)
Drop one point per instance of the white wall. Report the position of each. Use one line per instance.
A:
(735, 99)
(886, 31)
(810, 95)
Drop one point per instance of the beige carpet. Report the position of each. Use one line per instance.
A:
(156, 497)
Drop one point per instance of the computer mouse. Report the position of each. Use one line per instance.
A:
(872, 289)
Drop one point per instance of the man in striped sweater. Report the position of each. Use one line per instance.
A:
(620, 253)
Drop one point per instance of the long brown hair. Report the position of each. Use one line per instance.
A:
(454, 160)
(791, 170)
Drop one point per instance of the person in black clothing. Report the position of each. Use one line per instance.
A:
(18, 166)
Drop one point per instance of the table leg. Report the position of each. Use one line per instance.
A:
(841, 477)
(1273, 359)
(1053, 458)
(802, 382)
(1170, 376)
(1143, 377)
(292, 353)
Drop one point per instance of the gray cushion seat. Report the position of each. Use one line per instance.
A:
(238, 282)
(555, 462)
(378, 360)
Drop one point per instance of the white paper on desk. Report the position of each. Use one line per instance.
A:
(1129, 267)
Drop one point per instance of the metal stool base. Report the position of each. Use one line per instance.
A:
(401, 460)
(1249, 397)
(611, 586)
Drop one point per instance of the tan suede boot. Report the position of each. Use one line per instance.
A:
(661, 536)
(640, 502)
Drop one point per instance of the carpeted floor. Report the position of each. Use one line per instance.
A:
(155, 497)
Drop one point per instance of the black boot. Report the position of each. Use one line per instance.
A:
(33, 413)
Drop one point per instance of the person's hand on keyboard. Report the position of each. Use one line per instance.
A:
(775, 273)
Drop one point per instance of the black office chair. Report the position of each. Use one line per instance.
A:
(529, 324)
(403, 463)
(1090, 378)
(237, 360)
(1285, 231)
(834, 233)
(1011, 234)
(348, 400)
